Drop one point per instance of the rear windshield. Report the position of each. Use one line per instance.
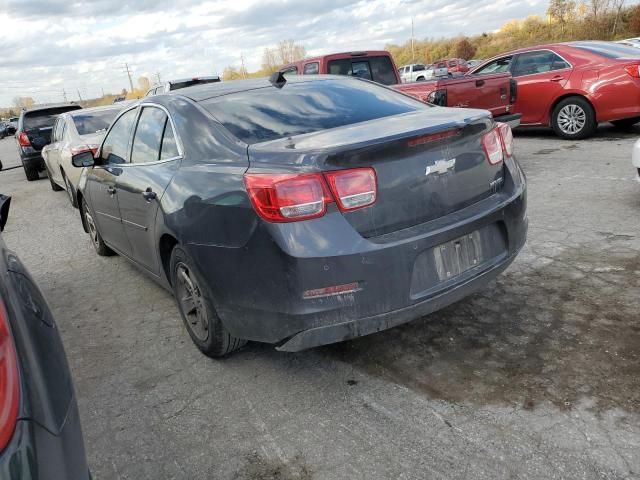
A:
(608, 49)
(43, 118)
(379, 69)
(303, 107)
(93, 122)
(191, 83)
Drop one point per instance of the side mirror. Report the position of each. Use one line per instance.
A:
(84, 159)
(5, 201)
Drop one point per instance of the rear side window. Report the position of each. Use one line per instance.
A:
(418, 68)
(379, 69)
(608, 49)
(43, 118)
(87, 123)
(312, 68)
(148, 136)
(303, 107)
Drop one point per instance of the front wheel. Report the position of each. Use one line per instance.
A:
(96, 239)
(196, 308)
(574, 119)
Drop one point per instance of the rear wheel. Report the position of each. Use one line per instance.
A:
(71, 192)
(31, 173)
(574, 119)
(420, 79)
(626, 122)
(196, 308)
(54, 186)
(96, 239)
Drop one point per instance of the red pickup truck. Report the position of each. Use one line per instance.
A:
(493, 92)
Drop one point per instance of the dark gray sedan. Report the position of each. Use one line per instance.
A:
(307, 210)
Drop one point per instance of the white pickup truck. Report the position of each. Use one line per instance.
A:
(417, 72)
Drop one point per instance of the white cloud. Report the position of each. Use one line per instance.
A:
(83, 45)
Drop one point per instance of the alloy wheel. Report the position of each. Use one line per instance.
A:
(571, 119)
(192, 302)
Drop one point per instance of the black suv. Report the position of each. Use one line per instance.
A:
(34, 132)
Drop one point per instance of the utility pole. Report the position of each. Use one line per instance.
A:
(158, 76)
(102, 88)
(242, 69)
(64, 95)
(413, 53)
(78, 90)
(126, 67)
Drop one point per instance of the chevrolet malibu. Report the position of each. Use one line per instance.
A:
(304, 211)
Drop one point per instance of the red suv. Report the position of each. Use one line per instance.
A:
(573, 86)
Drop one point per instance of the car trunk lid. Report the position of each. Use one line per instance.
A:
(428, 164)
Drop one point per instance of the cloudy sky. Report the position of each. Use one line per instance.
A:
(82, 46)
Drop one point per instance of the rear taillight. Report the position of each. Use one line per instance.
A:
(9, 382)
(506, 136)
(492, 146)
(294, 197)
(85, 148)
(287, 197)
(23, 140)
(354, 188)
(633, 70)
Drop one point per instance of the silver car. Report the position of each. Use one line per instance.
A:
(73, 133)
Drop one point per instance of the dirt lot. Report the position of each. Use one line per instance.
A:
(536, 376)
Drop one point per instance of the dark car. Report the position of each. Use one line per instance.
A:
(169, 86)
(40, 434)
(307, 211)
(34, 132)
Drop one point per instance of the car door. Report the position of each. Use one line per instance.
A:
(101, 181)
(154, 158)
(541, 76)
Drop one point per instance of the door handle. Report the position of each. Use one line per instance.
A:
(111, 190)
(479, 83)
(149, 194)
(557, 78)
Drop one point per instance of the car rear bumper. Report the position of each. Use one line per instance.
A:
(259, 289)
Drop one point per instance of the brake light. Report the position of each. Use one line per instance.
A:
(507, 138)
(288, 197)
(633, 70)
(23, 140)
(492, 146)
(9, 382)
(85, 148)
(432, 137)
(354, 188)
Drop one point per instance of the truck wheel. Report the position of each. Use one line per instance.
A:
(626, 123)
(196, 308)
(31, 173)
(420, 79)
(574, 119)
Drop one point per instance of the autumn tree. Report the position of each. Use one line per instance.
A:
(561, 11)
(144, 83)
(464, 49)
(23, 102)
(634, 21)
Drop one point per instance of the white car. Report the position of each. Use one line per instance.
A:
(416, 72)
(74, 132)
(635, 159)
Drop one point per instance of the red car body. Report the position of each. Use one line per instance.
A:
(455, 65)
(607, 75)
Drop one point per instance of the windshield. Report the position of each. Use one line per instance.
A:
(43, 118)
(93, 122)
(269, 113)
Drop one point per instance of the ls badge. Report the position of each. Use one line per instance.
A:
(441, 167)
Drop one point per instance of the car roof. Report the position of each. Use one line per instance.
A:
(199, 93)
(117, 106)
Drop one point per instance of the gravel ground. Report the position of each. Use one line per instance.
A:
(536, 376)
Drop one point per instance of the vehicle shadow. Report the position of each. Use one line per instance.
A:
(556, 328)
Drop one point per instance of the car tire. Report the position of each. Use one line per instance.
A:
(31, 173)
(96, 239)
(195, 304)
(71, 192)
(625, 123)
(54, 186)
(573, 118)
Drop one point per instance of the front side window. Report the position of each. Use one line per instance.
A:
(497, 66)
(531, 63)
(419, 68)
(312, 68)
(148, 136)
(116, 144)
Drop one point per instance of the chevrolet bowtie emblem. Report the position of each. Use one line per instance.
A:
(440, 167)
